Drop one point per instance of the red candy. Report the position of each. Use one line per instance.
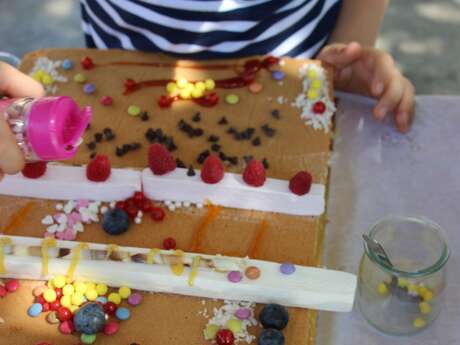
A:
(59, 293)
(87, 63)
(213, 170)
(45, 307)
(12, 285)
(3, 291)
(165, 101)
(169, 243)
(98, 170)
(111, 328)
(319, 107)
(146, 206)
(63, 314)
(161, 160)
(120, 204)
(34, 170)
(270, 61)
(131, 211)
(106, 100)
(129, 85)
(209, 100)
(225, 337)
(66, 327)
(40, 299)
(158, 214)
(300, 183)
(254, 173)
(138, 199)
(54, 306)
(110, 308)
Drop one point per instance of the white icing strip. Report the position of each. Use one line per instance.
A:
(232, 191)
(307, 287)
(70, 183)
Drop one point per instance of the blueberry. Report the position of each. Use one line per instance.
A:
(274, 316)
(115, 221)
(271, 336)
(89, 319)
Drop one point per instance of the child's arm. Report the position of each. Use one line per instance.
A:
(13, 84)
(362, 69)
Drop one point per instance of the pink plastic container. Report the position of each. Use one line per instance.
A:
(49, 128)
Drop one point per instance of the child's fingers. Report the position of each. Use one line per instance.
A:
(405, 112)
(1, 175)
(340, 55)
(383, 69)
(16, 84)
(11, 157)
(391, 96)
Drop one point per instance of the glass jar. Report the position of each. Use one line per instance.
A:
(404, 296)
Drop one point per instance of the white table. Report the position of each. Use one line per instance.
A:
(377, 172)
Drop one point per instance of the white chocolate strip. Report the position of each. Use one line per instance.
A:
(232, 191)
(70, 183)
(307, 287)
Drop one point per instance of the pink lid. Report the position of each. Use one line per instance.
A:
(55, 127)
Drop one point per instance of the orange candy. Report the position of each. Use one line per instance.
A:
(255, 87)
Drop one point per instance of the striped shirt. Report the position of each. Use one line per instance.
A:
(206, 29)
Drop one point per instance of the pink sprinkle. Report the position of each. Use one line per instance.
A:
(75, 216)
(60, 235)
(234, 276)
(82, 203)
(70, 221)
(57, 216)
(69, 235)
(106, 100)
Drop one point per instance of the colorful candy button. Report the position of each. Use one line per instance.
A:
(66, 327)
(114, 298)
(185, 94)
(171, 87)
(49, 295)
(134, 110)
(209, 84)
(234, 325)
(35, 310)
(89, 88)
(243, 313)
(102, 299)
(210, 331)
(124, 292)
(67, 64)
(79, 78)
(66, 301)
(232, 99)
(77, 298)
(316, 84)
(123, 313)
(38, 290)
(79, 287)
(12, 285)
(199, 85)
(135, 299)
(68, 290)
(111, 328)
(101, 289)
(182, 83)
(88, 338)
(91, 295)
(419, 322)
(197, 93)
(287, 268)
(278, 75)
(106, 100)
(424, 307)
(255, 87)
(252, 272)
(311, 74)
(59, 281)
(312, 94)
(234, 276)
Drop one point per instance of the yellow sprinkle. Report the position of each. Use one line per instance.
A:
(182, 83)
(75, 259)
(5, 241)
(178, 268)
(73, 308)
(59, 281)
(311, 74)
(200, 85)
(419, 322)
(402, 282)
(47, 79)
(77, 298)
(194, 271)
(114, 297)
(412, 289)
(209, 84)
(90, 286)
(79, 287)
(316, 84)
(46, 244)
(312, 94)
(185, 94)
(68, 290)
(101, 289)
(197, 93)
(427, 296)
(91, 295)
(425, 307)
(171, 87)
(49, 295)
(124, 292)
(66, 301)
(382, 289)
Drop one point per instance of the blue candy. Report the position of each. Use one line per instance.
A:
(115, 222)
(102, 299)
(122, 314)
(67, 64)
(271, 337)
(89, 88)
(90, 318)
(274, 316)
(35, 310)
(278, 75)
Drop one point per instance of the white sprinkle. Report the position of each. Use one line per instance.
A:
(69, 207)
(104, 209)
(139, 214)
(171, 207)
(61, 219)
(187, 203)
(137, 220)
(167, 202)
(61, 227)
(59, 207)
(78, 227)
(52, 229)
(199, 205)
(112, 204)
(48, 220)
(178, 204)
(94, 207)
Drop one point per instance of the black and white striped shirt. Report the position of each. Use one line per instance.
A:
(205, 29)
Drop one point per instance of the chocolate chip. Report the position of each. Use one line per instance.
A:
(145, 116)
(91, 145)
(222, 156)
(126, 148)
(110, 137)
(119, 151)
(108, 133)
(182, 124)
(98, 137)
(233, 160)
(197, 132)
(238, 136)
(232, 130)
(158, 133)
(150, 135)
(179, 163)
(223, 121)
(215, 147)
(275, 113)
(213, 138)
(269, 131)
(202, 156)
(92, 155)
(162, 139)
(247, 159)
(171, 146)
(256, 141)
(135, 146)
(190, 171)
(247, 133)
(196, 117)
(265, 163)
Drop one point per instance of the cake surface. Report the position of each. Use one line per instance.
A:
(294, 146)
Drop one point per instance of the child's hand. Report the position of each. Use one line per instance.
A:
(13, 84)
(372, 72)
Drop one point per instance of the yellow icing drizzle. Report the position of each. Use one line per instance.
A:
(178, 268)
(151, 255)
(110, 249)
(194, 271)
(5, 241)
(75, 259)
(46, 244)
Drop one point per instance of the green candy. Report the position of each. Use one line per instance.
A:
(88, 338)
(79, 78)
(232, 99)
(210, 331)
(134, 110)
(234, 325)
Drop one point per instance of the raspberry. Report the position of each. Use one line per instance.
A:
(225, 337)
(300, 183)
(169, 243)
(34, 170)
(254, 174)
(138, 199)
(319, 107)
(213, 170)
(87, 63)
(160, 160)
(146, 206)
(165, 101)
(98, 170)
